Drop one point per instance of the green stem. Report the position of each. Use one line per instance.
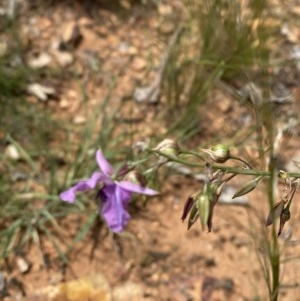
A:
(275, 263)
(228, 169)
(241, 160)
(188, 152)
(274, 246)
(259, 132)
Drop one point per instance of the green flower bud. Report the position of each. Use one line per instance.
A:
(219, 153)
(203, 206)
(168, 147)
(248, 187)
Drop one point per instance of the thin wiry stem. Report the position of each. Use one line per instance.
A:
(228, 169)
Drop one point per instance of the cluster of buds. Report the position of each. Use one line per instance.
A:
(168, 148)
(200, 205)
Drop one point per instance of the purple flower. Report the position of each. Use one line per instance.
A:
(114, 195)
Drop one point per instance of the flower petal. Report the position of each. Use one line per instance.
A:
(114, 208)
(69, 195)
(103, 164)
(129, 186)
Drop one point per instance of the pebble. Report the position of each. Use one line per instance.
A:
(79, 119)
(12, 152)
(225, 105)
(40, 61)
(128, 291)
(94, 288)
(164, 9)
(39, 91)
(139, 64)
(63, 58)
(64, 104)
(22, 265)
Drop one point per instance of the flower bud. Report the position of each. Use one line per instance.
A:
(219, 153)
(215, 192)
(284, 217)
(275, 212)
(248, 187)
(193, 216)
(187, 207)
(203, 206)
(190, 207)
(168, 147)
(283, 174)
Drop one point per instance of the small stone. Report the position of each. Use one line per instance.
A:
(132, 50)
(22, 265)
(148, 94)
(291, 33)
(167, 27)
(124, 48)
(225, 105)
(12, 152)
(79, 119)
(64, 104)
(63, 58)
(40, 61)
(128, 291)
(94, 288)
(164, 9)
(39, 91)
(72, 94)
(139, 64)
(141, 94)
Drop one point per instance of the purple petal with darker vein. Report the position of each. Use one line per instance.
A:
(114, 209)
(136, 188)
(103, 164)
(69, 195)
